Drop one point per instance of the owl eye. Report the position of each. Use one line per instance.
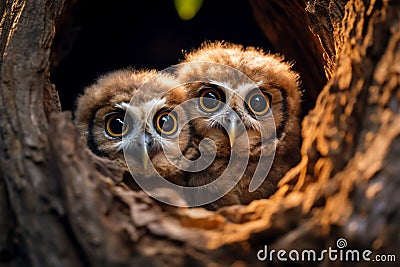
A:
(259, 103)
(115, 125)
(166, 122)
(210, 99)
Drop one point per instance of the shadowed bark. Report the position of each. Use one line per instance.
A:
(62, 206)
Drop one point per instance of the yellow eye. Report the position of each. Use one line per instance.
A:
(115, 126)
(210, 99)
(259, 103)
(166, 122)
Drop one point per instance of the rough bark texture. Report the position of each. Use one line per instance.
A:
(286, 26)
(62, 206)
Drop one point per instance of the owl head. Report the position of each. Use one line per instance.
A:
(130, 116)
(99, 115)
(250, 101)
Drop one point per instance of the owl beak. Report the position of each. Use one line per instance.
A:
(145, 157)
(147, 141)
(232, 133)
(232, 127)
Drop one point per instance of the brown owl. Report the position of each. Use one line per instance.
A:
(249, 105)
(130, 116)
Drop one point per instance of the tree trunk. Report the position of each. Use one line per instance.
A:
(62, 206)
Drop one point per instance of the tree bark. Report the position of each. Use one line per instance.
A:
(286, 25)
(62, 206)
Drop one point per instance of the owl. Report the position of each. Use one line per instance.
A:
(248, 104)
(130, 116)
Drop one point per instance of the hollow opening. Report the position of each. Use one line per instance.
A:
(95, 37)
